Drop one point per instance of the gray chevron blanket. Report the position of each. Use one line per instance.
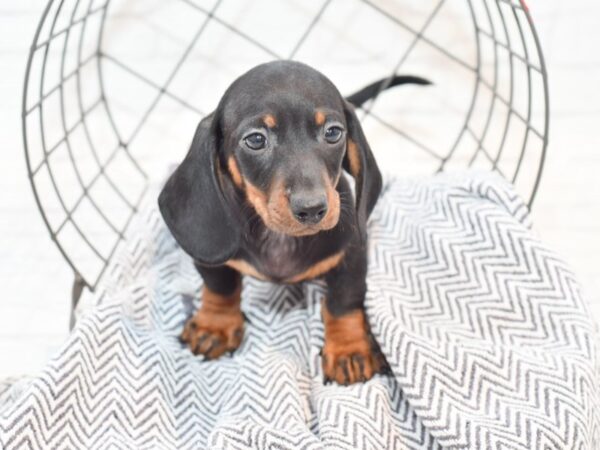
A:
(489, 340)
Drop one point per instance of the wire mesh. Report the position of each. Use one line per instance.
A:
(114, 88)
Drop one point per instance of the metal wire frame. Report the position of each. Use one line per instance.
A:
(518, 15)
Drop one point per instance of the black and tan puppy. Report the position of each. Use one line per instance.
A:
(261, 193)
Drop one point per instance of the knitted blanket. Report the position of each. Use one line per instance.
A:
(489, 341)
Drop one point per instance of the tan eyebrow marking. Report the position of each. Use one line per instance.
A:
(269, 120)
(319, 118)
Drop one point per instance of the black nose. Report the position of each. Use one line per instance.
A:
(309, 210)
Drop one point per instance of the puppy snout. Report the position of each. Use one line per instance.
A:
(309, 210)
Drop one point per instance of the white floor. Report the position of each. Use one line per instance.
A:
(36, 282)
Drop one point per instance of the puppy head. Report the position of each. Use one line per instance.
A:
(280, 137)
(286, 133)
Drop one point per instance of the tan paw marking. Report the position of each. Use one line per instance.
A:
(217, 327)
(350, 354)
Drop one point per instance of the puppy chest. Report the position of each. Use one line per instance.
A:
(284, 264)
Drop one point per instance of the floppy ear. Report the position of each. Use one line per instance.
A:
(194, 206)
(360, 163)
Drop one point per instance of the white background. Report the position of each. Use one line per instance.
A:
(35, 281)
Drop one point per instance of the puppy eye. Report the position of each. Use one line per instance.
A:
(255, 141)
(333, 134)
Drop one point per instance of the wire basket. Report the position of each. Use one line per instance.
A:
(114, 89)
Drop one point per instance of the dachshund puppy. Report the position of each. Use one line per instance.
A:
(262, 193)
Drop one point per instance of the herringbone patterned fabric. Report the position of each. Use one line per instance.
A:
(489, 340)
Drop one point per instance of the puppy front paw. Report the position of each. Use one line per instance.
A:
(352, 362)
(350, 353)
(212, 335)
(217, 327)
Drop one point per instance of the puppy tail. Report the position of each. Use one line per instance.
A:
(373, 89)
